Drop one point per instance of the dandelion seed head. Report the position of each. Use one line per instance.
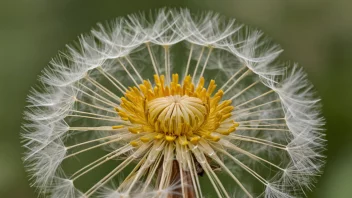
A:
(172, 96)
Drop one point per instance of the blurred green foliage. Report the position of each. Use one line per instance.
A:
(317, 34)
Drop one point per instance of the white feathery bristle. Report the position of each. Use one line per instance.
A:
(257, 53)
(273, 191)
(172, 190)
(39, 134)
(64, 188)
(62, 73)
(43, 161)
(86, 52)
(208, 29)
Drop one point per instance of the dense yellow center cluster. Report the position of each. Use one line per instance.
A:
(178, 112)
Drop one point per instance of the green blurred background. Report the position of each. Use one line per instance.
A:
(317, 34)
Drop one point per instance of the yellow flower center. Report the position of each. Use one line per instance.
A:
(177, 112)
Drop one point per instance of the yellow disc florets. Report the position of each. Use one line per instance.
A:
(178, 112)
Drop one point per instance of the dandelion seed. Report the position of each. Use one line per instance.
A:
(173, 96)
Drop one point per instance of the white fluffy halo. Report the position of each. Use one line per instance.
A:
(276, 151)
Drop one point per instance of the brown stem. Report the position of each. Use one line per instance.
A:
(176, 178)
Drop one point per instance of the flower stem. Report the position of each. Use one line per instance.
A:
(186, 189)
